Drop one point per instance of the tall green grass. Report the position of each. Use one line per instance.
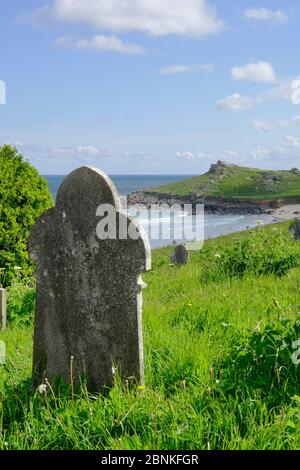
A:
(218, 344)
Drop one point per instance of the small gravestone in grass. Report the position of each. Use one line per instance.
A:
(89, 255)
(2, 353)
(3, 307)
(294, 229)
(180, 256)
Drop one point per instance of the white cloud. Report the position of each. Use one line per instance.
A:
(266, 16)
(191, 18)
(101, 43)
(288, 90)
(89, 149)
(230, 156)
(287, 150)
(186, 155)
(80, 151)
(235, 102)
(284, 91)
(262, 125)
(192, 156)
(175, 69)
(290, 148)
(254, 72)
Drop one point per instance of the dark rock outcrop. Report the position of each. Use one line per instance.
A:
(213, 205)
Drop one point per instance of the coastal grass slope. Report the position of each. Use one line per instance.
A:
(218, 339)
(232, 181)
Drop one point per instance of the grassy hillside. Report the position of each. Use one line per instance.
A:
(233, 181)
(218, 337)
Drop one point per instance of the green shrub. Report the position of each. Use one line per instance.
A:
(24, 195)
(265, 361)
(20, 304)
(259, 255)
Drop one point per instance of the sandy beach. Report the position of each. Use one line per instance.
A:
(288, 212)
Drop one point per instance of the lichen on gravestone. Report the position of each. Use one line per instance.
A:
(89, 301)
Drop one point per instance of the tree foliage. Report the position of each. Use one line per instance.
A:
(24, 195)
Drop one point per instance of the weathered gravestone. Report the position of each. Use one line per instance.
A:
(180, 255)
(89, 301)
(3, 307)
(294, 229)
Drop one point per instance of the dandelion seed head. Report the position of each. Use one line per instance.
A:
(42, 389)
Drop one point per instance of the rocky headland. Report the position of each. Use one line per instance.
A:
(228, 189)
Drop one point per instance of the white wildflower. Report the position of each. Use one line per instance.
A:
(42, 388)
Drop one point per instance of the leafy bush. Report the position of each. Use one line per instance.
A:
(267, 361)
(24, 195)
(259, 255)
(20, 304)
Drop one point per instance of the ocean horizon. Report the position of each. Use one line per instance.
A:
(125, 184)
(214, 225)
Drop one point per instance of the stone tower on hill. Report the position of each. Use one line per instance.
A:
(215, 166)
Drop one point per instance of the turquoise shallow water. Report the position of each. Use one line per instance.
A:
(214, 225)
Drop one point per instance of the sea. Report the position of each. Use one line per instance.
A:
(209, 226)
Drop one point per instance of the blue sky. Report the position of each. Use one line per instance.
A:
(151, 86)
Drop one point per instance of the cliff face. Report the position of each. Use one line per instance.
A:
(213, 205)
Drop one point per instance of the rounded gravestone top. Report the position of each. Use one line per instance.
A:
(180, 255)
(294, 229)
